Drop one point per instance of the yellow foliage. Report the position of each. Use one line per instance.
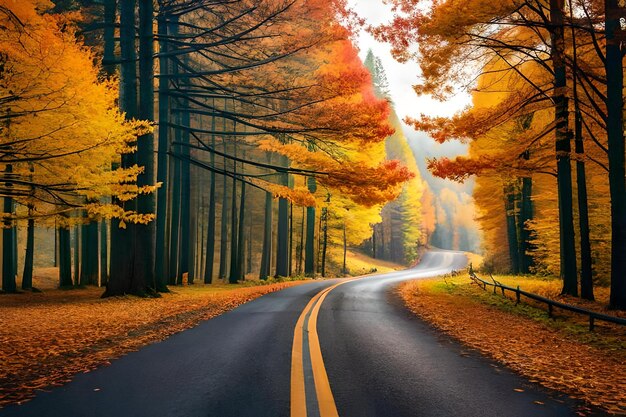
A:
(64, 130)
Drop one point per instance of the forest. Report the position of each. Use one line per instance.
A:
(231, 207)
(544, 130)
(149, 145)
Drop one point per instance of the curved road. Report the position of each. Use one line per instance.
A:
(352, 351)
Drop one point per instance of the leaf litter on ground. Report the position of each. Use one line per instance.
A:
(47, 338)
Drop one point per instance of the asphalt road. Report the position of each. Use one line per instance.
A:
(378, 359)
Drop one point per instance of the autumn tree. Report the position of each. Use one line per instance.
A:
(61, 129)
(531, 39)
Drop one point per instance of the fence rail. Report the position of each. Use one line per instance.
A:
(593, 316)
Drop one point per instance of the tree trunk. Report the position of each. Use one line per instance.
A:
(175, 272)
(267, 238)
(249, 252)
(108, 65)
(104, 272)
(290, 256)
(77, 256)
(301, 243)
(224, 215)
(161, 267)
(345, 249)
(27, 277)
(233, 276)
(8, 268)
(586, 277)
(65, 258)
(108, 59)
(185, 192)
(122, 280)
(309, 252)
(210, 238)
(145, 239)
(223, 271)
(374, 241)
(511, 227)
(241, 238)
(194, 214)
(617, 172)
(526, 214)
(324, 219)
(89, 254)
(563, 149)
(174, 244)
(282, 244)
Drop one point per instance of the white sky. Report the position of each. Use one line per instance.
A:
(401, 76)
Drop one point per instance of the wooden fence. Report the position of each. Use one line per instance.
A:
(593, 316)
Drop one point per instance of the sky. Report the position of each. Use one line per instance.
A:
(401, 76)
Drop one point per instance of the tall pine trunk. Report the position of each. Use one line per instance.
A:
(175, 273)
(511, 227)
(161, 267)
(185, 190)
(563, 149)
(104, 264)
(586, 277)
(122, 279)
(210, 238)
(525, 215)
(224, 214)
(309, 252)
(344, 270)
(65, 257)
(233, 275)
(144, 259)
(617, 171)
(290, 262)
(89, 254)
(267, 238)
(241, 243)
(301, 244)
(27, 276)
(77, 255)
(8, 268)
(282, 243)
(29, 258)
(324, 221)
(249, 251)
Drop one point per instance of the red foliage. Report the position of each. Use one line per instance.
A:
(460, 168)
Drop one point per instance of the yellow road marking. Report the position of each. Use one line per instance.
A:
(298, 396)
(325, 399)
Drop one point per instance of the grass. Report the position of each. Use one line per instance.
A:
(606, 336)
(357, 263)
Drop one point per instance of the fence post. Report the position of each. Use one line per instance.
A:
(549, 310)
(591, 323)
(517, 296)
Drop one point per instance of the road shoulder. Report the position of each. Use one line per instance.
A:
(535, 350)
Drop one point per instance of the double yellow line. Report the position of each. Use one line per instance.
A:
(325, 399)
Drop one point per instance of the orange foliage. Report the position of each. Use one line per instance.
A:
(365, 184)
(461, 168)
(300, 196)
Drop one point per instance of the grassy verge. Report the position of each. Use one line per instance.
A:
(357, 263)
(558, 353)
(47, 338)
